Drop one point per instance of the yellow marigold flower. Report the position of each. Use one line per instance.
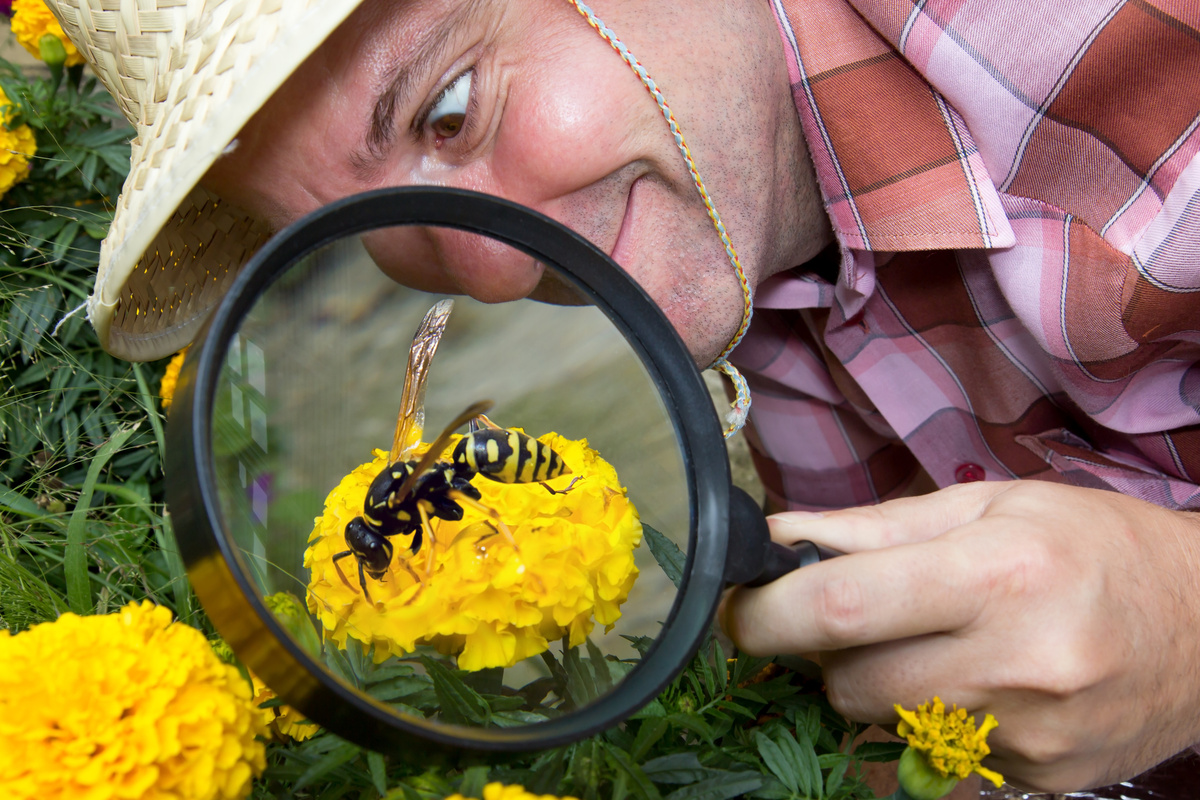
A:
(479, 597)
(166, 389)
(498, 791)
(948, 743)
(282, 719)
(31, 20)
(125, 705)
(17, 146)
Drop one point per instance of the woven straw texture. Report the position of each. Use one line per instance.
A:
(188, 74)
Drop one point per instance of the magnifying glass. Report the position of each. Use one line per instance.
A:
(460, 527)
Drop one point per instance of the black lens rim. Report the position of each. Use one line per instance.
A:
(222, 582)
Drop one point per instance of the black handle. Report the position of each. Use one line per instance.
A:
(781, 559)
(753, 559)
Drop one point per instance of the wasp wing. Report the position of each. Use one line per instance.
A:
(410, 422)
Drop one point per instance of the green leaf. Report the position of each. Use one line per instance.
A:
(781, 763)
(63, 241)
(473, 781)
(396, 688)
(666, 553)
(706, 673)
(880, 751)
(378, 769)
(599, 665)
(337, 662)
(653, 709)
(382, 672)
(722, 666)
(676, 768)
(342, 753)
(18, 504)
(639, 782)
(802, 751)
(838, 763)
(649, 732)
(548, 772)
(579, 677)
(460, 703)
(30, 317)
(694, 723)
(75, 558)
(516, 718)
(722, 786)
(809, 722)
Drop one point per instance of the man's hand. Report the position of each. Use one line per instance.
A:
(1072, 615)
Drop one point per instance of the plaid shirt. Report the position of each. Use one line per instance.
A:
(1015, 191)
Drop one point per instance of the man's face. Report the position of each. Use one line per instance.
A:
(522, 99)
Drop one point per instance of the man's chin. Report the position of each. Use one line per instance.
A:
(557, 290)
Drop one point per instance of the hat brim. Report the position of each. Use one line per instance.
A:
(173, 248)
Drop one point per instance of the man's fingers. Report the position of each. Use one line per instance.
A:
(858, 599)
(902, 521)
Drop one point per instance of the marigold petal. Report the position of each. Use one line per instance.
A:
(990, 774)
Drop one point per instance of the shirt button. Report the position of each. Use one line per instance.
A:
(968, 473)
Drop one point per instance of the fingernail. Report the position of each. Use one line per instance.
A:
(794, 517)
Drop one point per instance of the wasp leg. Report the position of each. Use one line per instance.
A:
(570, 486)
(478, 506)
(338, 567)
(432, 540)
(362, 577)
(417, 578)
(362, 581)
(482, 421)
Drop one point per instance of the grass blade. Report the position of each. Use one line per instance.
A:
(79, 594)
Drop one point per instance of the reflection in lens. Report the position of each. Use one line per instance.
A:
(444, 592)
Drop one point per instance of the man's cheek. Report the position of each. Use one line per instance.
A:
(559, 140)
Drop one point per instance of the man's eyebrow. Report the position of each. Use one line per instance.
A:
(404, 79)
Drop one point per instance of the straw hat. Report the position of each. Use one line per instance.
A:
(188, 74)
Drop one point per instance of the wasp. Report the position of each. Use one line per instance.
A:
(408, 493)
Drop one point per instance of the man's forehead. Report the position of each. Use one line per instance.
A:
(410, 29)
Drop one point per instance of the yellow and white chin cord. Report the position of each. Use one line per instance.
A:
(736, 418)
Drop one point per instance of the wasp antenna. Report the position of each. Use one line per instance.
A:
(435, 449)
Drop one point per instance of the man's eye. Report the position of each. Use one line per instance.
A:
(449, 111)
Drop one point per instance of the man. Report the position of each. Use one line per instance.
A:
(1012, 191)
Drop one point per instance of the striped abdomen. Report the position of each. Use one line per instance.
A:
(508, 456)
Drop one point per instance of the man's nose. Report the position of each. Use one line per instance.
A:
(448, 260)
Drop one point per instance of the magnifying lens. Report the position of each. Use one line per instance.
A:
(467, 527)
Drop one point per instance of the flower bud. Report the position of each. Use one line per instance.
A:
(52, 51)
(921, 781)
(293, 615)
